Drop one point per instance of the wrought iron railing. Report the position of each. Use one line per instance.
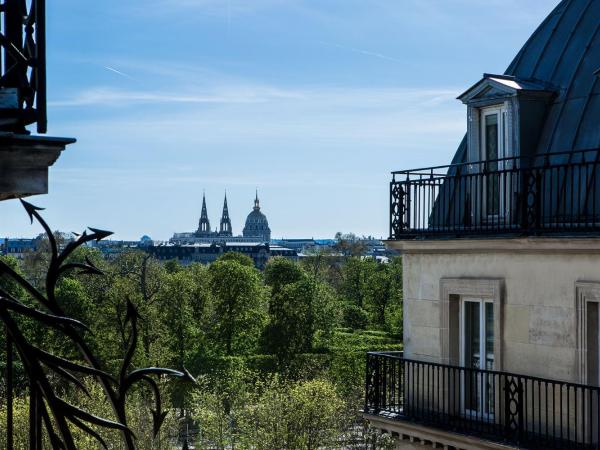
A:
(550, 193)
(44, 375)
(518, 410)
(23, 65)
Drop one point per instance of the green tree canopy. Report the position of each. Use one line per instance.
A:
(239, 306)
(244, 260)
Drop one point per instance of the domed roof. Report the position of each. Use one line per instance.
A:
(257, 225)
(256, 217)
(564, 52)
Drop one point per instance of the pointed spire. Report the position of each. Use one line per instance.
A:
(256, 202)
(225, 226)
(204, 224)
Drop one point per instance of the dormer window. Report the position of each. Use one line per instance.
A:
(499, 106)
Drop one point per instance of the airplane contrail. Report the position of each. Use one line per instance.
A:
(362, 52)
(118, 72)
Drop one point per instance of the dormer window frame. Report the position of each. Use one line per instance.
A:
(506, 92)
(493, 124)
(498, 105)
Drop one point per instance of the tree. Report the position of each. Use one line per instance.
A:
(349, 244)
(219, 404)
(7, 284)
(301, 311)
(136, 277)
(291, 326)
(239, 306)
(35, 264)
(385, 285)
(144, 277)
(304, 415)
(356, 276)
(280, 272)
(73, 298)
(244, 260)
(315, 414)
(176, 297)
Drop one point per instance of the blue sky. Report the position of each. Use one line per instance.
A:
(313, 102)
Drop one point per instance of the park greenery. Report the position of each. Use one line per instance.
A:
(278, 355)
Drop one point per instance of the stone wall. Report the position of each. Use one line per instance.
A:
(539, 312)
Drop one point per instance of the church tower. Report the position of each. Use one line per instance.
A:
(225, 227)
(204, 225)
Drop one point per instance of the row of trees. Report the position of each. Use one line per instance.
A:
(285, 329)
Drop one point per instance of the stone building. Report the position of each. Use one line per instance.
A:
(501, 255)
(204, 230)
(257, 225)
(256, 229)
(207, 253)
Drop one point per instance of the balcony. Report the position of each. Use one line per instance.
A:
(556, 193)
(501, 407)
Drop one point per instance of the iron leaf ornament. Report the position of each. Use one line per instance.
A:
(58, 416)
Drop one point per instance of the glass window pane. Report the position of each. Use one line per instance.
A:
(491, 136)
(472, 334)
(472, 342)
(489, 336)
(489, 358)
(491, 153)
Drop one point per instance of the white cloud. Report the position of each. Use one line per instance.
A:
(223, 8)
(117, 98)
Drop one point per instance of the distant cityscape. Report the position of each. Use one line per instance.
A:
(205, 244)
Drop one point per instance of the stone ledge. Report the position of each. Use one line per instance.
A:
(407, 434)
(24, 163)
(528, 245)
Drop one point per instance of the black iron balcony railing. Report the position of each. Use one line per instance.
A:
(519, 410)
(551, 193)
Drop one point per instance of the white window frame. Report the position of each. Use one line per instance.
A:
(483, 413)
(504, 151)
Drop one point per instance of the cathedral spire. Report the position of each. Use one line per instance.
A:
(204, 224)
(225, 226)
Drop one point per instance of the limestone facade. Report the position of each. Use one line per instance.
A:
(540, 289)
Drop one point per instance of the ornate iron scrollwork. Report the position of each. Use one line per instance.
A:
(23, 78)
(513, 404)
(57, 415)
(398, 210)
(532, 204)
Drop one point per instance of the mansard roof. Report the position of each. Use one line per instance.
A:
(564, 52)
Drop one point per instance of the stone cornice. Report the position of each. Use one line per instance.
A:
(526, 245)
(24, 163)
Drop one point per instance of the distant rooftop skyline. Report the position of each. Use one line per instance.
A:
(312, 102)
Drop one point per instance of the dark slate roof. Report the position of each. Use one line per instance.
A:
(564, 52)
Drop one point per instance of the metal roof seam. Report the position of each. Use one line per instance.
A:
(568, 41)
(570, 85)
(583, 114)
(515, 63)
(550, 39)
